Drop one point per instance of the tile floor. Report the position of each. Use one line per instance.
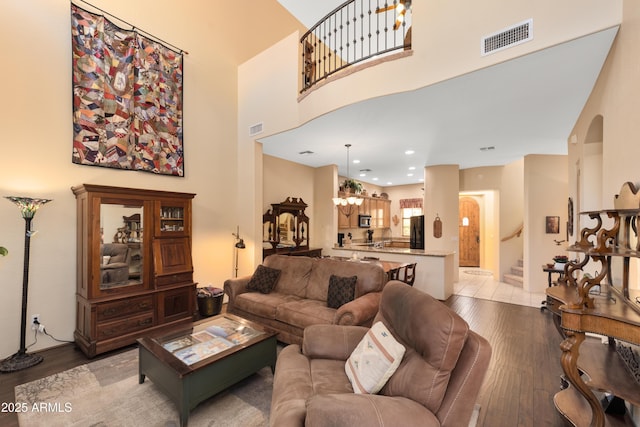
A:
(479, 283)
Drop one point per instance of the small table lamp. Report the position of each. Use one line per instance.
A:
(21, 359)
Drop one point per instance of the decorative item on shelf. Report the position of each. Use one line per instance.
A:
(349, 202)
(239, 244)
(560, 261)
(384, 196)
(395, 220)
(22, 360)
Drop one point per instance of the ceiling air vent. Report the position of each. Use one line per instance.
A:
(255, 129)
(508, 37)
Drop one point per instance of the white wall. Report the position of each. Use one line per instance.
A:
(546, 187)
(615, 98)
(262, 82)
(37, 135)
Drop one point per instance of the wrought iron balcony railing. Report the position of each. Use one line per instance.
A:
(356, 31)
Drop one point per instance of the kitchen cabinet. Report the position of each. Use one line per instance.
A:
(379, 209)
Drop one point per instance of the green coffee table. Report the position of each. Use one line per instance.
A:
(191, 365)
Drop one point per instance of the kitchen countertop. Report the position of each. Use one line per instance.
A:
(400, 251)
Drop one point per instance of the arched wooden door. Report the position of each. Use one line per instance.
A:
(469, 230)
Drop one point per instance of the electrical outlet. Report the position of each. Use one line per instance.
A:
(35, 318)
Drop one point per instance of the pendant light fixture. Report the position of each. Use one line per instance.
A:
(349, 201)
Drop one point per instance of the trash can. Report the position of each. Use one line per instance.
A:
(210, 301)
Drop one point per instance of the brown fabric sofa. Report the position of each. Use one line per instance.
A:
(299, 298)
(436, 384)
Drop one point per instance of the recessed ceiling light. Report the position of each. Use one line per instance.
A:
(363, 174)
(409, 174)
(356, 162)
(409, 152)
(375, 179)
(389, 183)
(412, 168)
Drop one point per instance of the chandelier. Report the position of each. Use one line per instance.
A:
(349, 201)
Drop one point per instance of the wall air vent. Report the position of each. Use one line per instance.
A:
(512, 36)
(255, 129)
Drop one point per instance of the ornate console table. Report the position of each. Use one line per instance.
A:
(603, 305)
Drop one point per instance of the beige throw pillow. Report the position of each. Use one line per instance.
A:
(374, 360)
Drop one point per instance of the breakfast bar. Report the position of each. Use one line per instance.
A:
(434, 268)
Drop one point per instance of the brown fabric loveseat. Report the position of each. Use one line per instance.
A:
(299, 298)
(436, 383)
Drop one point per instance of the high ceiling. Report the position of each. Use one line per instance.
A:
(490, 117)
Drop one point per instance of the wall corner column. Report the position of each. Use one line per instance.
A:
(441, 188)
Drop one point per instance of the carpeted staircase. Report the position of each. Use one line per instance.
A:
(515, 276)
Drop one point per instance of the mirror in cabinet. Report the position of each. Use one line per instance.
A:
(121, 255)
(286, 229)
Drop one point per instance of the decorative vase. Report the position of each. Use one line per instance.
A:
(559, 265)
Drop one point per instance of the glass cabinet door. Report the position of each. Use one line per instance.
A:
(173, 218)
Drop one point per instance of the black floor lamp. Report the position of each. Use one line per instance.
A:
(239, 245)
(22, 359)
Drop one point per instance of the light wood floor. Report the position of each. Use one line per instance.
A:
(518, 391)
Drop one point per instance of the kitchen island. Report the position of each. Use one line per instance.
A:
(434, 269)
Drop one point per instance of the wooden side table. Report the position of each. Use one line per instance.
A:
(552, 270)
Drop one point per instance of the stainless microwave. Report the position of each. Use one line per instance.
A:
(364, 221)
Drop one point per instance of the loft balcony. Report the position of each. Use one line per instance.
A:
(354, 32)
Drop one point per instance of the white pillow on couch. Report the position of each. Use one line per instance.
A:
(374, 360)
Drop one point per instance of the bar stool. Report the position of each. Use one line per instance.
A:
(406, 274)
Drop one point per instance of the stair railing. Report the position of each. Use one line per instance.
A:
(516, 233)
(353, 32)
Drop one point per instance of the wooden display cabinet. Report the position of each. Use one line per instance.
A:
(134, 265)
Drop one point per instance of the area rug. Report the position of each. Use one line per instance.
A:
(478, 272)
(106, 393)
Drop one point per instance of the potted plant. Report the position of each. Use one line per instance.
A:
(352, 186)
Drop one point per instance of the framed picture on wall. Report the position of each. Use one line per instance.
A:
(553, 224)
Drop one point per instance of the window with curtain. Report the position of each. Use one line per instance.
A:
(409, 208)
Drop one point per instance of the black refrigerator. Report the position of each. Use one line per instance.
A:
(416, 241)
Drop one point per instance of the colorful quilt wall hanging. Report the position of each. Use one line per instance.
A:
(127, 98)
